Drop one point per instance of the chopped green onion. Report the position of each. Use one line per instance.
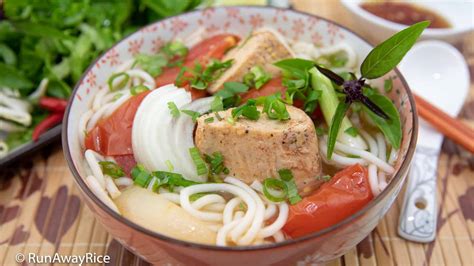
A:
(173, 179)
(311, 101)
(194, 115)
(285, 174)
(140, 176)
(260, 76)
(217, 104)
(174, 111)
(152, 64)
(201, 166)
(111, 169)
(275, 109)
(121, 84)
(272, 187)
(169, 165)
(209, 120)
(352, 131)
(293, 196)
(216, 161)
(248, 110)
(138, 89)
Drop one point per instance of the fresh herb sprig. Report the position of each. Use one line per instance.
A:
(383, 58)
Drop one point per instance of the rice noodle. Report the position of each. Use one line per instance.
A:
(110, 186)
(99, 191)
(123, 181)
(92, 159)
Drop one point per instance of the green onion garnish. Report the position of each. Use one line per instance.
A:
(138, 89)
(121, 84)
(275, 189)
(217, 104)
(287, 176)
(352, 131)
(275, 108)
(201, 166)
(248, 110)
(141, 177)
(231, 120)
(194, 115)
(174, 111)
(209, 120)
(111, 169)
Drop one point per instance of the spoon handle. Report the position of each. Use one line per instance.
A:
(449, 126)
(418, 216)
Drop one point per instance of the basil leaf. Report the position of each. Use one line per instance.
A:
(298, 67)
(12, 78)
(391, 127)
(385, 56)
(335, 125)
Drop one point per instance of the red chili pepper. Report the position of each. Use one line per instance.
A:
(53, 104)
(50, 121)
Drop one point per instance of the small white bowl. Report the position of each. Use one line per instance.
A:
(459, 13)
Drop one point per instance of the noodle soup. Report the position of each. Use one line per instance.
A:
(224, 140)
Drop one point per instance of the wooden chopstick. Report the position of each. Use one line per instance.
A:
(451, 127)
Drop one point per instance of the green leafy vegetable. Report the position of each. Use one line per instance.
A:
(111, 169)
(217, 104)
(174, 111)
(385, 56)
(287, 176)
(216, 162)
(352, 131)
(201, 166)
(209, 120)
(247, 110)
(275, 108)
(153, 64)
(257, 77)
(391, 127)
(193, 114)
(141, 177)
(230, 94)
(335, 125)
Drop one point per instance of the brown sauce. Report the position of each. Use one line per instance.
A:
(405, 13)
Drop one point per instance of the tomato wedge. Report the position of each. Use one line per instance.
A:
(214, 47)
(113, 135)
(346, 193)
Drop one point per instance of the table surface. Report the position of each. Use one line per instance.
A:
(41, 212)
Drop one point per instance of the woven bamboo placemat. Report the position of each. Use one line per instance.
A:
(41, 211)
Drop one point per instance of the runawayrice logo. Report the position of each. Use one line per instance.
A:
(56, 258)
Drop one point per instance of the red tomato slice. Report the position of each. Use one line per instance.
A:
(346, 193)
(214, 47)
(113, 135)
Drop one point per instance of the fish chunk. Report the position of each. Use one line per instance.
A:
(262, 48)
(255, 150)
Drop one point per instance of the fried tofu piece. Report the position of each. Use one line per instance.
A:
(262, 48)
(255, 150)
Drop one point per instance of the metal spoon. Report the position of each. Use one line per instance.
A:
(436, 71)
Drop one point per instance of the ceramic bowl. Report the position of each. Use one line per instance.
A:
(159, 249)
(458, 13)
